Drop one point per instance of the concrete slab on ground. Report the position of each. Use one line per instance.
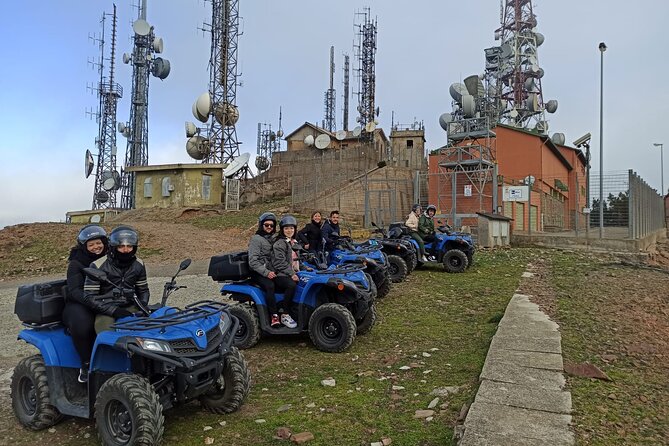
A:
(537, 360)
(525, 397)
(525, 376)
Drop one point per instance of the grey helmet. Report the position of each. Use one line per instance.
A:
(123, 235)
(266, 216)
(288, 220)
(431, 207)
(414, 207)
(91, 232)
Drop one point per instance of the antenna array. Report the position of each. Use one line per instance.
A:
(330, 97)
(366, 54)
(346, 90)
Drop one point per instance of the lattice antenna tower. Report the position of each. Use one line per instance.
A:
(145, 46)
(223, 81)
(268, 142)
(330, 122)
(346, 96)
(107, 179)
(366, 71)
(513, 75)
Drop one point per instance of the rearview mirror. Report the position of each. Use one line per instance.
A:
(184, 264)
(96, 274)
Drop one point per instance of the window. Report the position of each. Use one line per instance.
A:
(206, 187)
(166, 187)
(409, 143)
(148, 188)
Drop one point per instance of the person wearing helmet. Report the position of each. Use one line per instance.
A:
(330, 230)
(286, 265)
(79, 314)
(412, 224)
(311, 236)
(426, 224)
(260, 262)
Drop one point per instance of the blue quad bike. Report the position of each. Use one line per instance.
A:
(370, 256)
(455, 250)
(144, 364)
(332, 305)
(395, 247)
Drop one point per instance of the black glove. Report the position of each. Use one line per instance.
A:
(121, 312)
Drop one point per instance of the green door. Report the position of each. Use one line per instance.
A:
(533, 218)
(519, 218)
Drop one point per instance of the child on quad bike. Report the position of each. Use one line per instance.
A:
(426, 225)
(413, 224)
(286, 265)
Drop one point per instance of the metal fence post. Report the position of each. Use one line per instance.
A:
(630, 206)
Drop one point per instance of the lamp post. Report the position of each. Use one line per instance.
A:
(661, 146)
(602, 48)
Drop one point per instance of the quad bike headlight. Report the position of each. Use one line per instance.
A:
(225, 322)
(154, 346)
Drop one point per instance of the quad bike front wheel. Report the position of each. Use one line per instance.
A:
(397, 268)
(332, 328)
(367, 322)
(30, 395)
(248, 331)
(455, 261)
(128, 412)
(231, 388)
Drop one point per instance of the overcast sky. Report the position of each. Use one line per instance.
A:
(423, 47)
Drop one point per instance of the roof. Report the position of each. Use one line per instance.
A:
(312, 126)
(180, 166)
(495, 216)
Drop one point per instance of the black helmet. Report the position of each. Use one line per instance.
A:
(123, 235)
(91, 232)
(414, 207)
(288, 220)
(266, 216)
(431, 207)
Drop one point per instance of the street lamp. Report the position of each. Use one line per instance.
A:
(661, 146)
(602, 48)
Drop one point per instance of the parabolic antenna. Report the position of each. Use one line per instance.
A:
(111, 180)
(558, 138)
(226, 114)
(141, 27)
(95, 218)
(468, 105)
(197, 147)
(444, 119)
(506, 51)
(160, 68)
(102, 197)
(309, 140)
(532, 102)
(513, 113)
(126, 58)
(357, 131)
(552, 106)
(370, 126)
(191, 129)
(89, 163)
(279, 133)
(322, 141)
(539, 38)
(197, 114)
(474, 86)
(340, 135)
(541, 127)
(121, 127)
(530, 85)
(203, 104)
(158, 45)
(236, 165)
(262, 163)
(457, 90)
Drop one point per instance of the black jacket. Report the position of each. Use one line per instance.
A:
(312, 235)
(78, 260)
(329, 230)
(103, 298)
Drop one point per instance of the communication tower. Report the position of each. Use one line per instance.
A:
(365, 51)
(107, 178)
(513, 75)
(346, 90)
(144, 62)
(330, 98)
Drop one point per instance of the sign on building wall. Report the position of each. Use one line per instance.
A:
(515, 193)
(468, 190)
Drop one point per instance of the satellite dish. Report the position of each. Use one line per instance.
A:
(558, 138)
(539, 38)
(126, 132)
(197, 147)
(357, 131)
(121, 127)
(89, 163)
(370, 126)
(309, 140)
(530, 85)
(468, 105)
(95, 218)
(279, 133)
(506, 51)
(340, 135)
(226, 114)
(191, 129)
(110, 179)
(160, 68)
(474, 86)
(532, 102)
(541, 127)
(102, 197)
(457, 90)
(262, 163)
(322, 141)
(529, 180)
(158, 45)
(197, 114)
(203, 104)
(444, 119)
(236, 165)
(141, 27)
(378, 111)
(513, 113)
(126, 58)
(552, 106)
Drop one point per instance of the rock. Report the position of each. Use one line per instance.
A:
(425, 372)
(434, 349)
(609, 358)
(612, 396)
(329, 382)
(527, 274)
(386, 441)
(398, 387)
(443, 406)
(420, 413)
(433, 403)
(302, 437)
(376, 443)
(311, 405)
(87, 435)
(429, 418)
(261, 421)
(282, 433)
(463, 413)
(208, 440)
(207, 428)
(426, 355)
(585, 370)
(445, 391)
(52, 430)
(458, 433)
(405, 367)
(284, 408)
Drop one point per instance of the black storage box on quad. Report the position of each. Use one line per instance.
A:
(229, 266)
(41, 303)
(401, 226)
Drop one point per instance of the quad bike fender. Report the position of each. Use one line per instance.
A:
(55, 346)
(344, 291)
(243, 293)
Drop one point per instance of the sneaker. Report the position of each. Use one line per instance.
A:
(288, 321)
(424, 259)
(83, 375)
(275, 321)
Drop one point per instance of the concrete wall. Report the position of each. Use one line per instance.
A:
(407, 149)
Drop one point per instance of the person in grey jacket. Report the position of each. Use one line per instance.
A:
(286, 265)
(260, 262)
